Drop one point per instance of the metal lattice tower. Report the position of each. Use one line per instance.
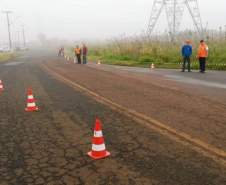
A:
(174, 12)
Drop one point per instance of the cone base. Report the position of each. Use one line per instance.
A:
(31, 109)
(100, 157)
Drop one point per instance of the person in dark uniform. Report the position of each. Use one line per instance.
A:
(84, 54)
(186, 53)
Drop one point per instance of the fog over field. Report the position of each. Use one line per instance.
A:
(94, 19)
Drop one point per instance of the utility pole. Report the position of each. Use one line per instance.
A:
(225, 32)
(23, 34)
(174, 21)
(220, 33)
(8, 24)
(18, 39)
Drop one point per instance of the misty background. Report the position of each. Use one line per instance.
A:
(95, 19)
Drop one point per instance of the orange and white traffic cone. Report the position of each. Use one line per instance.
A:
(1, 86)
(98, 146)
(31, 106)
(152, 66)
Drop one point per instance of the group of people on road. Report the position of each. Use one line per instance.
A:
(202, 55)
(81, 54)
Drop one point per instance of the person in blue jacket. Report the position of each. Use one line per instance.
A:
(186, 53)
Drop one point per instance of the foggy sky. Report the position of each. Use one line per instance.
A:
(94, 19)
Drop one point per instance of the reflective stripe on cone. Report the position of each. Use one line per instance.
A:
(1, 86)
(98, 148)
(98, 134)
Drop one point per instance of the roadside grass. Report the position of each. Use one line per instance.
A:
(7, 56)
(142, 53)
(168, 65)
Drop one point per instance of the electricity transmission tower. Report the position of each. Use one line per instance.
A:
(174, 12)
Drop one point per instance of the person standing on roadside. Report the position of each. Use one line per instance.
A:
(84, 53)
(203, 52)
(62, 51)
(186, 53)
(59, 52)
(78, 54)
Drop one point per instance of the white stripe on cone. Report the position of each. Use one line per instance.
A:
(98, 134)
(31, 104)
(98, 148)
(30, 97)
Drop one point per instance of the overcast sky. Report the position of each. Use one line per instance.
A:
(94, 19)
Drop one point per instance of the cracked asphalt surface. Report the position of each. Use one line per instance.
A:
(49, 147)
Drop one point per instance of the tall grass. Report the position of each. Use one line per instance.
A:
(140, 51)
(6, 56)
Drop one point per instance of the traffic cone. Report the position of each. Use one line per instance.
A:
(152, 66)
(1, 86)
(98, 146)
(31, 106)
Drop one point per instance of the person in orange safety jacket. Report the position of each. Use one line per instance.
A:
(78, 53)
(203, 52)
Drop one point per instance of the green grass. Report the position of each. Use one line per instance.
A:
(7, 56)
(142, 53)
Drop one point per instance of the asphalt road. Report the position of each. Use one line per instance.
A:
(49, 147)
(212, 84)
(210, 78)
